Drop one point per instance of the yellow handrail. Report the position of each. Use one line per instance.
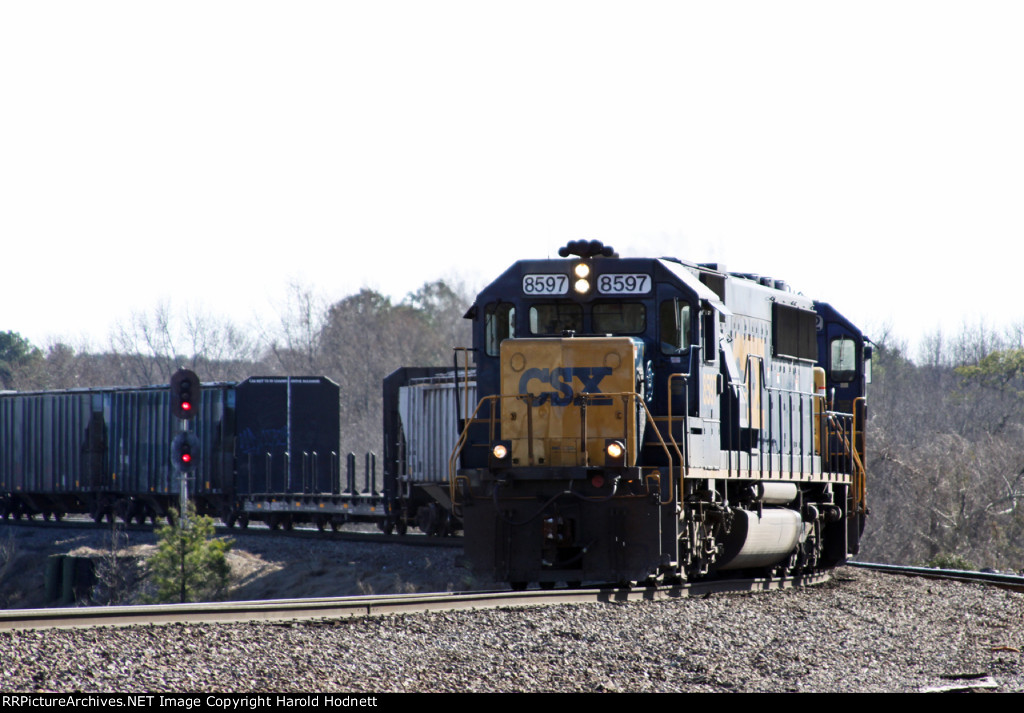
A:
(629, 398)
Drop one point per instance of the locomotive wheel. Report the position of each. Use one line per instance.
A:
(518, 586)
(546, 585)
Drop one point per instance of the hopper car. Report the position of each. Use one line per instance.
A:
(268, 450)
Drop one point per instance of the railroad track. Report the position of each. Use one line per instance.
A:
(311, 533)
(347, 607)
(996, 579)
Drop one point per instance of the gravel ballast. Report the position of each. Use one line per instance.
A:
(862, 631)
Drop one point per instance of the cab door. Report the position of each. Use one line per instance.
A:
(711, 383)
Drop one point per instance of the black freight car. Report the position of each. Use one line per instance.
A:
(107, 452)
(288, 465)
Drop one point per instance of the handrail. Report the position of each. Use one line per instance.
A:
(675, 452)
(630, 398)
(860, 477)
(684, 463)
(465, 372)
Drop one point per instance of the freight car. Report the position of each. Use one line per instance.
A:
(642, 419)
(424, 411)
(269, 451)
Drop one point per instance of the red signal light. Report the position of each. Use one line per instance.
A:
(185, 391)
(185, 452)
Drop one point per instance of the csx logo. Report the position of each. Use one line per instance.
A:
(562, 379)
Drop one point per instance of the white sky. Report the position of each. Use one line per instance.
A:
(870, 153)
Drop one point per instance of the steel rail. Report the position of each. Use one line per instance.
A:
(349, 607)
(299, 532)
(996, 579)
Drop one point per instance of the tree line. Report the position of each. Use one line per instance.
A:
(946, 450)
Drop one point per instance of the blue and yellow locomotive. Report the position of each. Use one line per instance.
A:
(642, 419)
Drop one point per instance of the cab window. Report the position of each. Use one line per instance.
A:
(674, 321)
(619, 318)
(843, 359)
(553, 318)
(500, 325)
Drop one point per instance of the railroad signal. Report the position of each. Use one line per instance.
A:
(184, 394)
(185, 451)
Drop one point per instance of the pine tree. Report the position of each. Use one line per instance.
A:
(189, 564)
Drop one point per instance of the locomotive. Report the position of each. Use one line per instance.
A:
(643, 419)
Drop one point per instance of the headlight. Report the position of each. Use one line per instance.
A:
(582, 270)
(582, 286)
(615, 450)
(500, 451)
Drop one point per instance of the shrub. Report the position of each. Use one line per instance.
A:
(190, 565)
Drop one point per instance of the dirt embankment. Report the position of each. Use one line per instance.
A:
(262, 567)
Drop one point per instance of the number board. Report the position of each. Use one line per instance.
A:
(545, 284)
(625, 284)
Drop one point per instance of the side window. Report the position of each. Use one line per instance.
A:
(556, 317)
(674, 327)
(619, 318)
(500, 325)
(843, 359)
